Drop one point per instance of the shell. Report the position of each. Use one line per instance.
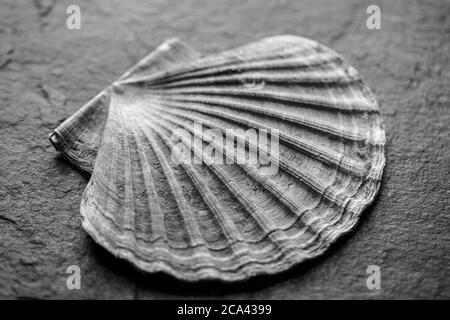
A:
(229, 222)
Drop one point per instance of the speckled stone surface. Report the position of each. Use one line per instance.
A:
(47, 72)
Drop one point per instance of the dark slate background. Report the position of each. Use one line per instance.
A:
(47, 72)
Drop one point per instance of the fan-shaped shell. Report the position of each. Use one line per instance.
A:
(227, 221)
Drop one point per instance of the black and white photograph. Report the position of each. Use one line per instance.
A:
(240, 152)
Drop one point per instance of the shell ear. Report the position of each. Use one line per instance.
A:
(78, 137)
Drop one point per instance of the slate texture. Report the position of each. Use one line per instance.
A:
(48, 71)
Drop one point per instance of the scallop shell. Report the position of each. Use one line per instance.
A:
(203, 220)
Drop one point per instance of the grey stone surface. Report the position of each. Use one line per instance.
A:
(47, 72)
